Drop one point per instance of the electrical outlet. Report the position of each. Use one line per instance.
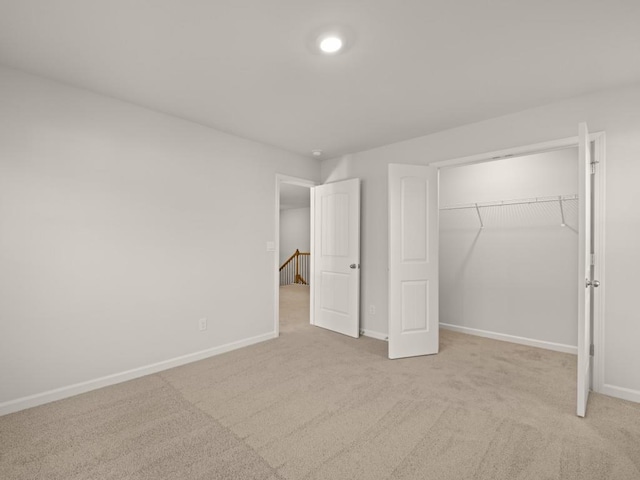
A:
(202, 324)
(372, 309)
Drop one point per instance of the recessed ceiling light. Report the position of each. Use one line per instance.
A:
(330, 40)
(331, 44)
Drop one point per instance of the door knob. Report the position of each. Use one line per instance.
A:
(594, 283)
(354, 265)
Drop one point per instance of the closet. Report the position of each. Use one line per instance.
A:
(509, 249)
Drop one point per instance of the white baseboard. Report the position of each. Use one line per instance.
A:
(78, 388)
(558, 347)
(374, 334)
(621, 392)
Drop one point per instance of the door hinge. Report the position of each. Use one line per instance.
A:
(593, 168)
(593, 259)
(592, 349)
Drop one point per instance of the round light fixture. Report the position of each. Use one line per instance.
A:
(330, 44)
(316, 153)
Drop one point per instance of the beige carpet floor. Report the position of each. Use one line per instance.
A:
(313, 404)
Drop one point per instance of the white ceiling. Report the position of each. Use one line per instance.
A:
(294, 196)
(245, 66)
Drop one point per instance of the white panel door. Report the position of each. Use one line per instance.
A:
(413, 260)
(336, 277)
(584, 268)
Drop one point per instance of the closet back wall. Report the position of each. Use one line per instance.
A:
(517, 276)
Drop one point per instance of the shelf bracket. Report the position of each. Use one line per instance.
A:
(479, 216)
(563, 224)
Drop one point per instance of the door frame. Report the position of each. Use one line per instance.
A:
(597, 141)
(301, 182)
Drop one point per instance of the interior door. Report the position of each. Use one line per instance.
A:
(336, 277)
(413, 260)
(584, 268)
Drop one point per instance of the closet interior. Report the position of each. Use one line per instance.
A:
(509, 249)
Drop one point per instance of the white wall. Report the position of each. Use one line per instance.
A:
(618, 113)
(295, 228)
(517, 275)
(119, 229)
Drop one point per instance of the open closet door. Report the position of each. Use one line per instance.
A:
(413, 260)
(584, 268)
(336, 257)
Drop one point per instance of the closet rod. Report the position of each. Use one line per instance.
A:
(527, 201)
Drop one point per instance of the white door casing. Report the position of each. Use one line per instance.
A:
(584, 268)
(413, 260)
(336, 257)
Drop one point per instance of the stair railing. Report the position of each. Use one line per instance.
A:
(295, 269)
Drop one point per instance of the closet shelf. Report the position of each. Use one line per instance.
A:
(559, 199)
(525, 201)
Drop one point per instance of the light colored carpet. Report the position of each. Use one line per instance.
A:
(313, 404)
